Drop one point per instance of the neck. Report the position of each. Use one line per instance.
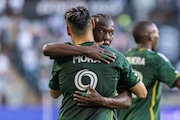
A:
(140, 45)
(81, 39)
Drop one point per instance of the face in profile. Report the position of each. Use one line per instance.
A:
(155, 35)
(104, 31)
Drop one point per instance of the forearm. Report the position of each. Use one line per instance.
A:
(122, 100)
(61, 50)
(139, 90)
(55, 93)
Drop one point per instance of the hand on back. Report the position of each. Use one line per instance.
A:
(92, 98)
(101, 54)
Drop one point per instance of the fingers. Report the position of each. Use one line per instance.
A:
(109, 54)
(107, 57)
(78, 93)
(90, 89)
(110, 57)
(81, 101)
(104, 60)
(101, 54)
(79, 98)
(87, 100)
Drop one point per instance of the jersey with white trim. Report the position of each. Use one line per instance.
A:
(152, 68)
(77, 72)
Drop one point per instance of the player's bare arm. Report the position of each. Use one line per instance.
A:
(55, 93)
(92, 98)
(55, 50)
(139, 90)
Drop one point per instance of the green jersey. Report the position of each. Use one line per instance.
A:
(77, 72)
(152, 68)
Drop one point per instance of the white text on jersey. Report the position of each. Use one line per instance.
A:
(136, 60)
(83, 59)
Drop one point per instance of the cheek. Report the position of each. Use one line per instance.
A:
(157, 38)
(112, 37)
(98, 37)
(156, 43)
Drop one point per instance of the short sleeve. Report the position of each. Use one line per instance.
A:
(167, 73)
(54, 81)
(128, 76)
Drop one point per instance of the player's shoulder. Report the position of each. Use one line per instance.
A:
(162, 57)
(139, 50)
(129, 51)
(114, 51)
(157, 56)
(148, 54)
(120, 58)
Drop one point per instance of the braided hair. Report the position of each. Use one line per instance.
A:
(101, 16)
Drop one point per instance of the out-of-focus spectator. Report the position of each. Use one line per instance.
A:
(25, 38)
(30, 63)
(4, 77)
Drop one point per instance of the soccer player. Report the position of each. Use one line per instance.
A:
(76, 73)
(103, 32)
(152, 68)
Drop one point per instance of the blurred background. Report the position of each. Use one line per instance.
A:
(26, 25)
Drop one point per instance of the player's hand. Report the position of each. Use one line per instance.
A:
(97, 53)
(92, 98)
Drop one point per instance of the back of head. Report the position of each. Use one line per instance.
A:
(141, 30)
(78, 19)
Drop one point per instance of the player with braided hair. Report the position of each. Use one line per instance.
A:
(103, 25)
(82, 75)
(104, 30)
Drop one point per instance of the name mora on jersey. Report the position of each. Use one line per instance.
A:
(136, 60)
(83, 59)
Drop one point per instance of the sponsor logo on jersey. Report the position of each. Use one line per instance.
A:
(79, 78)
(136, 60)
(83, 59)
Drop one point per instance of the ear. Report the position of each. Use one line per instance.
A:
(93, 23)
(68, 30)
(151, 36)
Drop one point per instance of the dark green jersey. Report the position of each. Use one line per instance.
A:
(152, 68)
(77, 72)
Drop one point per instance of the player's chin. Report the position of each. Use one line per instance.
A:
(107, 45)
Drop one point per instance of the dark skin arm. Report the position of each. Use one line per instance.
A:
(93, 98)
(55, 50)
